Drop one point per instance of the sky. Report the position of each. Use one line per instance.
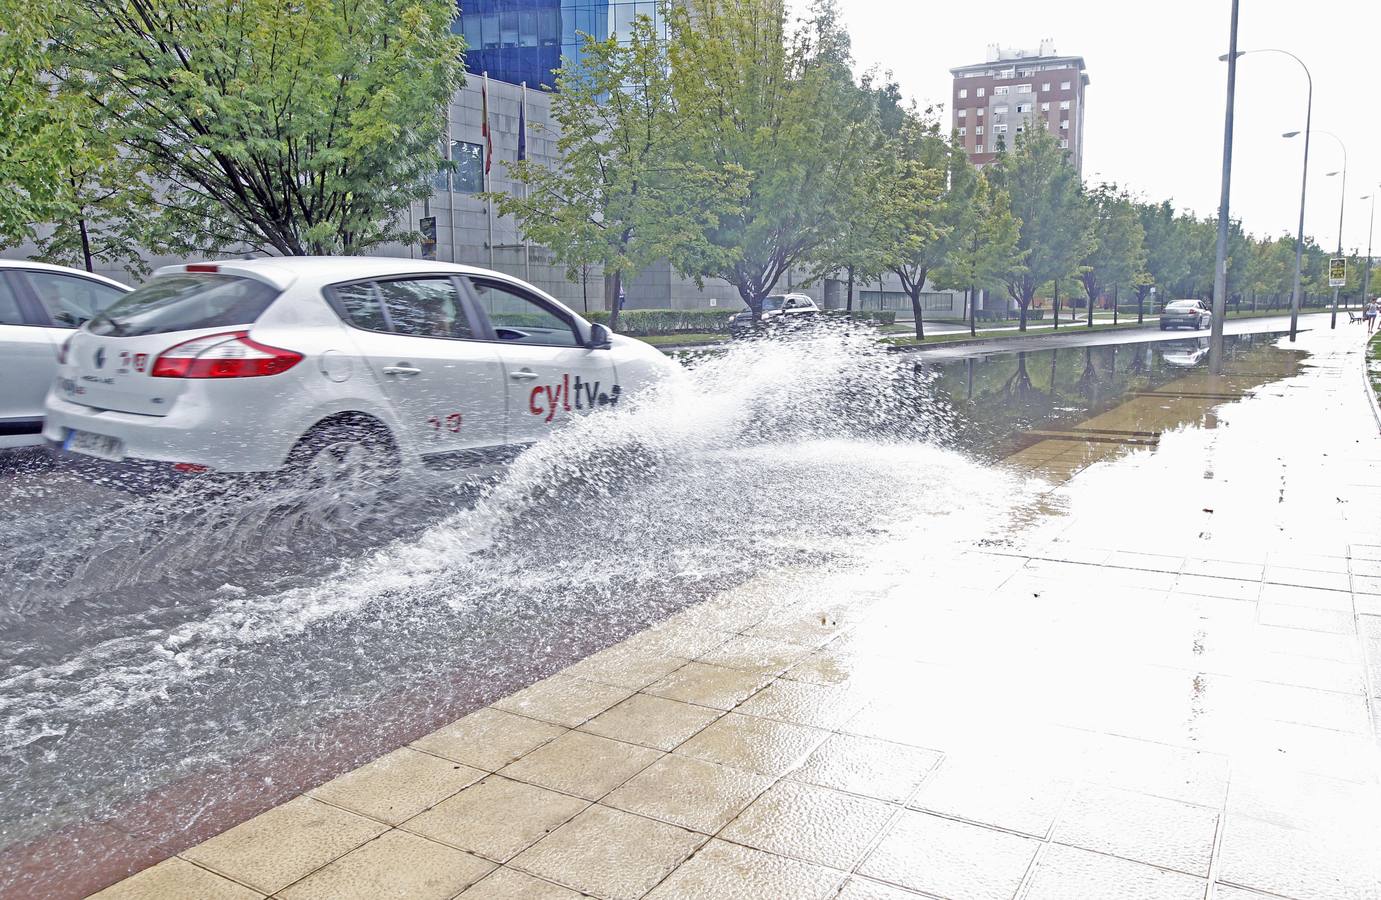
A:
(1157, 93)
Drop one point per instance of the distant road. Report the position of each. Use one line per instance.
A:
(1077, 337)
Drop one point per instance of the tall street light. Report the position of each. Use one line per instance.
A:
(1220, 271)
(1304, 178)
(1371, 229)
(1342, 206)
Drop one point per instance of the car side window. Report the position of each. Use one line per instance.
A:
(70, 301)
(425, 307)
(361, 305)
(10, 313)
(519, 318)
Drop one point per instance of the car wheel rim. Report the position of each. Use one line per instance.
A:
(344, 480)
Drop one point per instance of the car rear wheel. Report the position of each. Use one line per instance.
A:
(343, 470)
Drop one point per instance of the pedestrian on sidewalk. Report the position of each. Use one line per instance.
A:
(1370, 313)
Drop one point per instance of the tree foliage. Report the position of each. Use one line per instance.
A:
(287, 126)
(1118, 256)
(613, 198)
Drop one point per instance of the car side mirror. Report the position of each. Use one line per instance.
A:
(600, 337)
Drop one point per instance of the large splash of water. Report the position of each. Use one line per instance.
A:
(210, 629)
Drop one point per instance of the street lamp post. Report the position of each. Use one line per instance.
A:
(1303, 183)
(1220, 272)
(1371, 229)
(1342, 205)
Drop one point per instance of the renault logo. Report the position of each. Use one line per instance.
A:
(100, 357)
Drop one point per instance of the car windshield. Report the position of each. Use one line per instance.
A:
(183, 302)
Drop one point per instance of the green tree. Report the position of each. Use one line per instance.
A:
(40, 126)
(1118, 256)
(983, 247)
(1048, 199)
(782, 109)
(611, 198)
(288, 126)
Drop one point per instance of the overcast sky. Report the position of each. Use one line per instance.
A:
(1157, 91)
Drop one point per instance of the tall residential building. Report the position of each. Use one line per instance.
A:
(1017, 89)
(522, 41)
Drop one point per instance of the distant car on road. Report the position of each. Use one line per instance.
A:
(40, 305)
(777, 309)
(332, 365)
(1186, 314)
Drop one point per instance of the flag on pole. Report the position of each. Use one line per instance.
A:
(522, 126)
(484, 127)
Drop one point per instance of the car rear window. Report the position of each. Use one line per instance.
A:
(1184, 304)
(183, 302)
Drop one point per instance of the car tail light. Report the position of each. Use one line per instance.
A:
(202, 267)
(62, 351)
(226, 355)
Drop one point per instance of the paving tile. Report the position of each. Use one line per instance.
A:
(1308, 578)
(867, 766)
(624, 666)
(1300, 864)
(1335, 598)
(723, 871)
(994, 792)
(651, 721)
(758, 745)
(563, 701)
(176, 878)
(820, 706)
(398, 786)
(1224, 569)
(1366, 584)
(496, 818)
(1067, 873)
(489, 738)
(272, 850)
(1146, 767)
(1302, 617)
(811, 823)
(863, 889)
(717, 687)
(510, 884)
(950, 859)
(755, 655)
(1228, 892)
(394, 865)
(1228, 588)
(583, 765)
(609, 853)
(1139, 827)
(691, 793)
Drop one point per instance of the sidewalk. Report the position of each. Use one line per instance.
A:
(1160, 678)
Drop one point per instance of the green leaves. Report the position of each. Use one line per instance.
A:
(289, 126)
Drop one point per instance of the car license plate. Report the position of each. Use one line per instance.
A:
(101, 446)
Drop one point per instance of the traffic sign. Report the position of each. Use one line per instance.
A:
(1337, 272)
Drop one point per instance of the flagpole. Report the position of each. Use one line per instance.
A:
(522, 142)
(488, 158)
(450, 179)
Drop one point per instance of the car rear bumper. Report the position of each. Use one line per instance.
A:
(232, 440)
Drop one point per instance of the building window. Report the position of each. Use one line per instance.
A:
(999, 110)
(981, 111)
(468, 177)
(963, 93)
(1002, 90)
(1023, 108)
(1000, 129)
(978, 130)
(1007, 73)
(977, 148)
(963, 114)
(963, 131)
(980, 92)
(1023, 89)
(1064, 85)
(1064, 125)
(1045, 107)
(1046, 86)
(1064, 104)
(1064, 144)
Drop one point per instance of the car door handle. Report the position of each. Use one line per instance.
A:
(403, 369)
(523, 375)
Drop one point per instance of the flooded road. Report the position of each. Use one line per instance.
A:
(149, 643)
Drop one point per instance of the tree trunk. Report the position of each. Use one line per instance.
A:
(849, 298)
(973, 315)
(86, 244)
(915, 293)
(1054, 307)
(1114, 304)
(613, 284)
(1090, 308)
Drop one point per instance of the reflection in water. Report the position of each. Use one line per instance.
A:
(999, 399)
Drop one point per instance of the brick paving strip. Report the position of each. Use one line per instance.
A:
(1163, 684)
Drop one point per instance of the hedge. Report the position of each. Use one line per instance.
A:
(645, 322)
(873, 316)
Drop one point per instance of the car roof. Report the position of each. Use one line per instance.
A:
(65, 270)
(284, 270)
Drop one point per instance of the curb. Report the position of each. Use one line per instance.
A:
(1366, 383)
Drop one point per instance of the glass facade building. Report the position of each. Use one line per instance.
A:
(524, 40)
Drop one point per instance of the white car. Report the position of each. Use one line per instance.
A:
(327, 362)
(40, 305)
(777, 309)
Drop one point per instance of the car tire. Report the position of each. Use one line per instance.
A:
(343, 468)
